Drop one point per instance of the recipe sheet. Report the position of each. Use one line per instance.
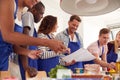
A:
(79, 55)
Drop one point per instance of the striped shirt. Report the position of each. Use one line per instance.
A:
(47, 52)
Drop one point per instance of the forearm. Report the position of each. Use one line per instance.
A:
(20, 50)
(21, 39)
(24, 61)
(101, 63)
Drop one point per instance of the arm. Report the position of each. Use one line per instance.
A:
(102, 62)
(8, 34)
(27, 21)
(24, 59)
(7, 30)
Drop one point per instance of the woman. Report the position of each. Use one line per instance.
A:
(113, 49)
(49, 58)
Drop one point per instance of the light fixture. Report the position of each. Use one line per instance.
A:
(89, 7)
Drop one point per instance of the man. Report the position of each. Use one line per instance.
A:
(71, 40)
(33, 14)
(8, 36)
(99, 49)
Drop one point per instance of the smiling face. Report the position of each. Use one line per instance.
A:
(73, 25)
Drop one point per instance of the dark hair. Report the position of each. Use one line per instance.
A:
(38, 6)
(104, 31)
(47, 24)
(75, 17)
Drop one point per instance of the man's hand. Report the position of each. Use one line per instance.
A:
(32, 72)
(57, 46)
(34, 54)
(70, 63)
(112, 65)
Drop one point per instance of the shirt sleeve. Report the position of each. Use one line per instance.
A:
(92, 49)
(47, 53)
(27, 19)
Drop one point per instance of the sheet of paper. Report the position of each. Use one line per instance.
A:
(79, 55)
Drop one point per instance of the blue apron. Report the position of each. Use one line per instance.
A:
(92, 61)
(5, 49)
(31, 62)
(74, 46)
(47, 64)
(111, 56)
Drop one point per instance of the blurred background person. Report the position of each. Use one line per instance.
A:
(99, 49)
(114, 49)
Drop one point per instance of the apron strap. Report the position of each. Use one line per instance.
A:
(99, 47)
(75, 34)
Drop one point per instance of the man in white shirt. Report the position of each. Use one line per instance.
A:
(99, 49)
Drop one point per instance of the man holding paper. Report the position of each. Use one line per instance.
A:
(71, 40)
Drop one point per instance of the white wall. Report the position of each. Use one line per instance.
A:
(52, 7)
(92, 25)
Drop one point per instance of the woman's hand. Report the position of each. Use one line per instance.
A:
(34, 54)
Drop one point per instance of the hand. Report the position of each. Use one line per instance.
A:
(34, 54)
(67, 51)
(112, 65)
(70, 63)
(32, 72)
(57, 46)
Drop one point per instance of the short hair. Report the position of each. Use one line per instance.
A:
(38, 6)
(76, 17)
(47, 24)
(104, 31)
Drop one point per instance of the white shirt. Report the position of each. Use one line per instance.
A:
(74, 38)
(95, 48)
(28, 20)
